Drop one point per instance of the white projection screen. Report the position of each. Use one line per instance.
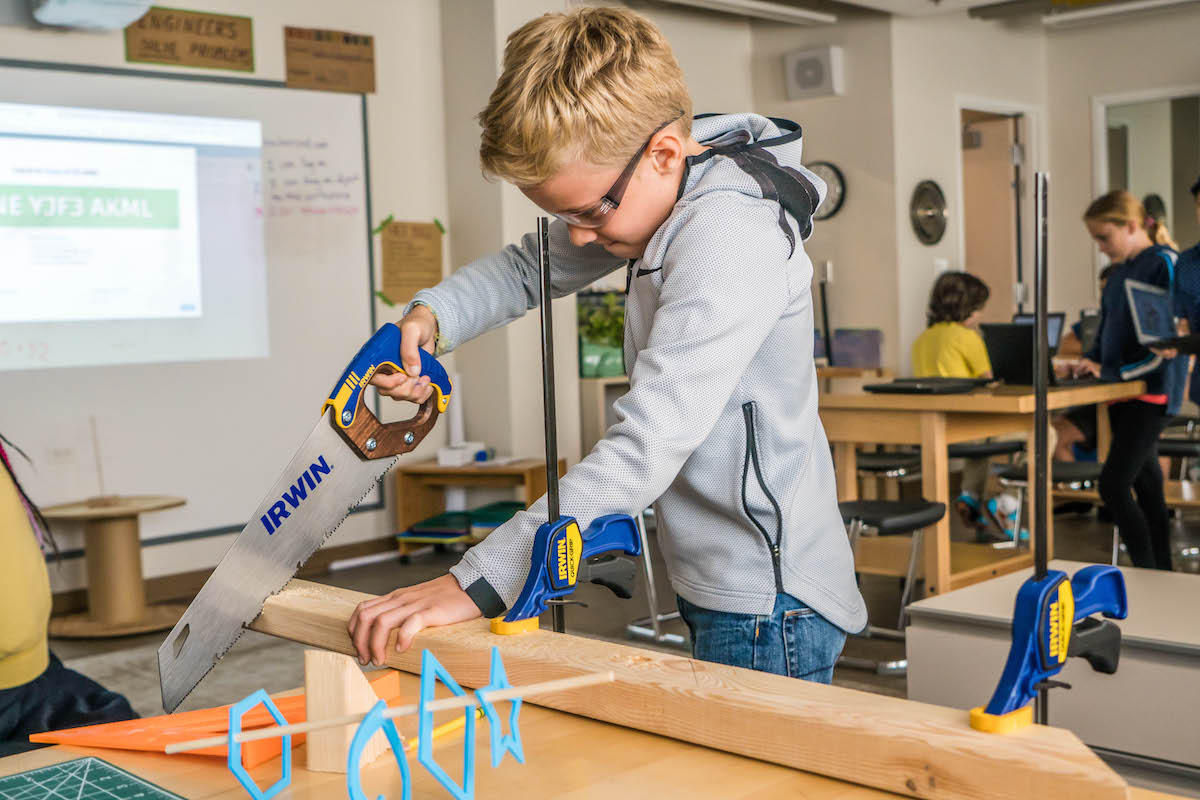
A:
(179, 260)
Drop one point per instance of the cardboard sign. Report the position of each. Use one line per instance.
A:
(412, 259)
(334, 61)
(191, 39)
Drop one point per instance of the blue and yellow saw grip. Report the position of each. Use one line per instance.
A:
(382, 349)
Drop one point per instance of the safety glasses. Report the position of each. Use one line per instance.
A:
(598, 215)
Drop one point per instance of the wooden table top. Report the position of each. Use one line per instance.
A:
(993, 400)
(578, 757)
(112, 506)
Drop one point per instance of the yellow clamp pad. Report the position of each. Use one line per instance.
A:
(1002, 723)
(503, 628)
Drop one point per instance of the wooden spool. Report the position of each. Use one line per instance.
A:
(113, 551)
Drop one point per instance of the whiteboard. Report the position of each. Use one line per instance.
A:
(214, 432)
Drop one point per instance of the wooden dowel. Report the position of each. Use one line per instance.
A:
(461, 701)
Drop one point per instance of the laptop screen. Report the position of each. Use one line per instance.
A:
(1054, 325)
(1150, 307)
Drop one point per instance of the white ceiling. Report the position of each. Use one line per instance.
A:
(912, 8)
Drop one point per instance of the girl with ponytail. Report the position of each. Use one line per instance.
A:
(1116, 222)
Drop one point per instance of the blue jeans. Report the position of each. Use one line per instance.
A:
(792, 640)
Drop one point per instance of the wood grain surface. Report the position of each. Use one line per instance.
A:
(912, 749)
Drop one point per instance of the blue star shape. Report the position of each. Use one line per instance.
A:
(501, 744)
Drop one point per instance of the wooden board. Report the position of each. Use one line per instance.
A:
(910, 748)
(113, 506)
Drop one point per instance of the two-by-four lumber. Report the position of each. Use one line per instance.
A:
(915, 749)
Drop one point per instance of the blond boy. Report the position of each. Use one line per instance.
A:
(591, 119)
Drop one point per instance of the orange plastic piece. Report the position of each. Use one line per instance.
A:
(153, 734)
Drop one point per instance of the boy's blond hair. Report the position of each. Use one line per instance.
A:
(591, 84)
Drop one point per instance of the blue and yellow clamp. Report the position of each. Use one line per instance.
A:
(1053, 621)
(558, 563)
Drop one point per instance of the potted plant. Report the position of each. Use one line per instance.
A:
(601, 334)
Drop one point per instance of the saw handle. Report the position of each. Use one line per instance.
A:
(352, 418)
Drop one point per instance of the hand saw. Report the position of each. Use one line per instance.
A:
(335, 468)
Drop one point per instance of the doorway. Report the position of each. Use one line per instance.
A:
(992, 156)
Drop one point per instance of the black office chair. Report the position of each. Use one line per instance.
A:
(890, 518)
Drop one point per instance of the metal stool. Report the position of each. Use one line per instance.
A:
(985, 449)
(889, 463)
(890, 518)
(1183, 449)
(651, 627)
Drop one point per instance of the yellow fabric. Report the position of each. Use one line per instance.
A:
(24, 593)
(950, 350)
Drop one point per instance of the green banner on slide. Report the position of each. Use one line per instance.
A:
(87, 207)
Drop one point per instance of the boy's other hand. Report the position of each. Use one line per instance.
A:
(1166, 352)
(1087, 367)
(418, 329)
(408, 610)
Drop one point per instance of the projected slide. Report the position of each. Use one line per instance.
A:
(95, 230)
(129, 237)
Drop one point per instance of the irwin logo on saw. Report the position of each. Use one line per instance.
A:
(296, 494)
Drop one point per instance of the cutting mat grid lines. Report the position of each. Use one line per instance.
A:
(81, 779)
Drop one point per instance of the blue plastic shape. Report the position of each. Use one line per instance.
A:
(501, 744)
(234, 759)
(431, 671)
(366, 729)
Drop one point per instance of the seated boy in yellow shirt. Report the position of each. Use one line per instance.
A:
(951, 347)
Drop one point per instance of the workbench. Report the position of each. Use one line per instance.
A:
(934, 422)
(1147, 709)
(666, 727)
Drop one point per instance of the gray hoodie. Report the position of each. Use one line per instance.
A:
(719, 429)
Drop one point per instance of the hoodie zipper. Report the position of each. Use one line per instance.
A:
(752, 458)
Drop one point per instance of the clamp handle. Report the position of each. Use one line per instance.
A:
(371, 438)
(557, 552)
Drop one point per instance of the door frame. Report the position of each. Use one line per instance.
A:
(1100, 104)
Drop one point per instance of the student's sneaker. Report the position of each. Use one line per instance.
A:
(1005, 512)
(967, 506)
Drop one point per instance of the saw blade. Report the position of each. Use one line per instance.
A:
(318, 489)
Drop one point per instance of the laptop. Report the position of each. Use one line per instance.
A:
(927, 386)
(1010, 349)
(1055, 321)
(1150, 307)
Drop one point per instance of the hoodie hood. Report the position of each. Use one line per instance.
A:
(757, 156)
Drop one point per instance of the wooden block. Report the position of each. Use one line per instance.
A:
(914, 749)
(335, 686)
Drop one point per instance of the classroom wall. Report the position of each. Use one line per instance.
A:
(407, 175)
(854, 132)
(1149, 53)
(941, 64)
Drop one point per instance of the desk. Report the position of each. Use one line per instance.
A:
(1148, 708)
(934, 422)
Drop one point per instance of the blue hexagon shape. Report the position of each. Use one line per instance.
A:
(366, 729)
(432, 670)
(236, 712)
(501, 744)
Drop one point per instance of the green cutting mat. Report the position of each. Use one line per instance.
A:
(81, 779)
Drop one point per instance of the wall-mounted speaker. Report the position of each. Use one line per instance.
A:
(818, 72)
